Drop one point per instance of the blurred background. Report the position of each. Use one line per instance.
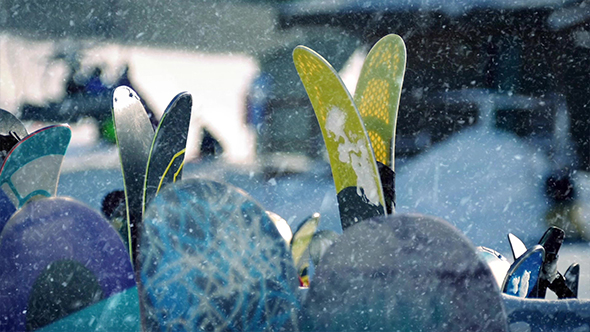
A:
(493, 128)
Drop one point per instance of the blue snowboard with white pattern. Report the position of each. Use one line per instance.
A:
(212, 260)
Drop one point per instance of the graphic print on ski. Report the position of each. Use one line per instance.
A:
(377, 96)
(134, 133)
(33, 165)
(355, 172)
(166, 156)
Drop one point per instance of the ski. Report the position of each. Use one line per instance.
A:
(377, 97)
(354, 169)
(166, 157)
(550, 278)
(572, 279)
(551, 242)
(282, 226)
(516, 245)
(134, 133)
(300, 247)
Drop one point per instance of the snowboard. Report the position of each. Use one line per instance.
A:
(403, 273)
(212, 260)
(166, 157)
(58, 256)
(523, 275)
(497, 263)
(354, 169)
(12, 130)
(119, 312)
(377, 97)
(32, 168)
(134, 133)
(300, 247)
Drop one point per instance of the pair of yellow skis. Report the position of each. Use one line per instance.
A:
(358, 132)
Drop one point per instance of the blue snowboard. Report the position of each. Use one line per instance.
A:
(523, 275)
(212, 260)
(58, 256)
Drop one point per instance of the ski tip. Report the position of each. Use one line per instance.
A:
(184, 95)
(516, 245)
(282, 226)
(301, 48)
(184, 100)
(303, 51)
(124, 96)
(392, 38)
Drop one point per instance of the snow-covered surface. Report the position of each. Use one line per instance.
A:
(485, 182)
(217, 82)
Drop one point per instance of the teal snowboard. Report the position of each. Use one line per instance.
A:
(354, 169)
(119, 312)
(11, 132)
(212, 260)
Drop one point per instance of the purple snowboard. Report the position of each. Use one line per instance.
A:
(43, 241)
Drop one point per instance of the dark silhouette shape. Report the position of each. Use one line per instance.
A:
(210, 146)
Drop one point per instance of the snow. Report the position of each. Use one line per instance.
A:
(485, 182)
(218, 83)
